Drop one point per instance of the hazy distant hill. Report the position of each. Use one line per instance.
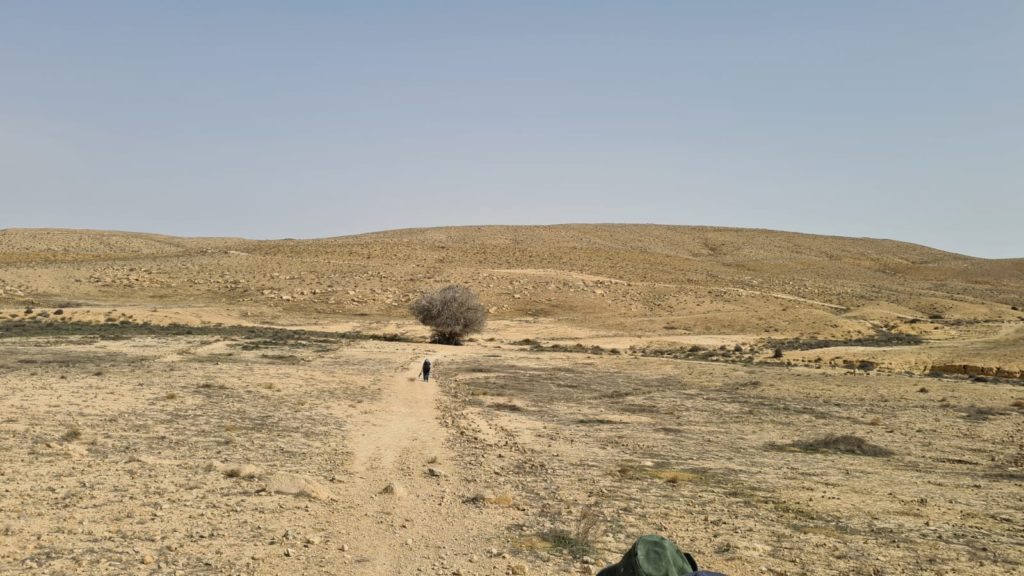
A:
(630, 277)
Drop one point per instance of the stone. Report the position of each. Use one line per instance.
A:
(294, 484)
(394, 489)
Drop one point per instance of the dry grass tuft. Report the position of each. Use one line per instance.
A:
(579, 539)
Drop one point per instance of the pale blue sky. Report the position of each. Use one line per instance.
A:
(890, 119)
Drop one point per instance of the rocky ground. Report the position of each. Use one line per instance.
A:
(223, 406)
(224, 454)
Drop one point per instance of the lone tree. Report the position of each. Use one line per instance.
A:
(453, 312)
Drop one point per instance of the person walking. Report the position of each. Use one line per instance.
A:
(425, 371)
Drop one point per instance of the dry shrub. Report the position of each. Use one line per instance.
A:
(578, 539)
(452, 313)
(1018, 404)
(842, 443)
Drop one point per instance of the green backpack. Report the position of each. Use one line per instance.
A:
(652, 556)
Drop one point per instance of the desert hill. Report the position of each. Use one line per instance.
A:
(674, 281)
(775, 403)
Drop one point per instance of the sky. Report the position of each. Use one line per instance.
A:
(886, 119)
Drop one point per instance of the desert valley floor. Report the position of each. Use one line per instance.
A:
(774, 403)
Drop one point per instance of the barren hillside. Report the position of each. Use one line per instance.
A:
(775, 403)
(617, 280)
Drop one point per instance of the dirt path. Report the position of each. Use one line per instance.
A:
(404, 494)
(402, 429)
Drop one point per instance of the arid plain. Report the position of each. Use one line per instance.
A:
(228, 406)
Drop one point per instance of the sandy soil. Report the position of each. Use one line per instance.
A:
(223, 406)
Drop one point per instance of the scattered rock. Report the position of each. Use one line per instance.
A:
(296, 485)
(394, 489)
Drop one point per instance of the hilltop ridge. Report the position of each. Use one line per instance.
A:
(628, 279)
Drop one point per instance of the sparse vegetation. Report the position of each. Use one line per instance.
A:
(252, 337)
(452, 313)
(539, 424)
(578, 538)
(841, 443)
(71, 434)
(879, 339)
(979, 413)
(506, 407)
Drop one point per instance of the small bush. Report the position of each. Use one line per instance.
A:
(452, 313)
(777, 353)
(579, 539)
